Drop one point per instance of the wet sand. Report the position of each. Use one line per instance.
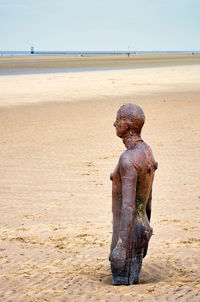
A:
(58, 147)
(39, 64)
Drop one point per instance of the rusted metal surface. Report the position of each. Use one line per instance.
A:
(132, 182)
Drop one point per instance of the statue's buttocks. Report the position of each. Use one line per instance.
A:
(132, 182)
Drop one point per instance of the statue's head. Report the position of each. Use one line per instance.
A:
(130, 119)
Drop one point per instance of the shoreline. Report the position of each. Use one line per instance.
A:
(61, 63)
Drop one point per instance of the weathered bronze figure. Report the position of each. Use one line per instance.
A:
(132, 182)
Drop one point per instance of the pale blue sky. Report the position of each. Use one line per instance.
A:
(100, 24)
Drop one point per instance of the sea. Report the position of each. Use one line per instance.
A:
(28, 53)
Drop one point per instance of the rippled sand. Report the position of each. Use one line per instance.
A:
(58, 147)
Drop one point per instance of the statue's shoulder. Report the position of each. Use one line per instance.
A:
(127, 158)
(127, 166)
(137, 158)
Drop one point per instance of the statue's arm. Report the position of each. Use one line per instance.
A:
(116, 206)
(129, 181)
(128, 176)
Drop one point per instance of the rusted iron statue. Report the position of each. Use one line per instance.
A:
(132, 182)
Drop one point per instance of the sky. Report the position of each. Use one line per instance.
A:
(112, 25)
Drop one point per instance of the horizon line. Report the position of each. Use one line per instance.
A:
(100, 51)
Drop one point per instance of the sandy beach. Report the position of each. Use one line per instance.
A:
(53, 63)
(58, 147)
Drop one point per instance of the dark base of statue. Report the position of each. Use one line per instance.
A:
(131, 272)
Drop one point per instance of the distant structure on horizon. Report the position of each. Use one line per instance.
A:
(32, 50)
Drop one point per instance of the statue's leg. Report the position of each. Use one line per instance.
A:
(120, 272)
(140, 242)
(127, 273)
(135, 268)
